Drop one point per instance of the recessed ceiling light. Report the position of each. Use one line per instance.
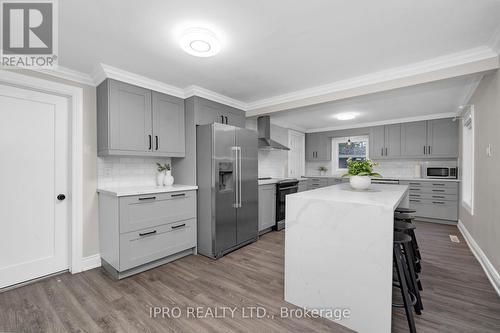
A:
(200, 42)
(345, 116)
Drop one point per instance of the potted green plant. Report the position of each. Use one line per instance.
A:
(322, 170)
(360, 173)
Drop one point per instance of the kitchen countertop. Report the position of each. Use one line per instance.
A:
(139, 190)
(398, 178)
(334, 235)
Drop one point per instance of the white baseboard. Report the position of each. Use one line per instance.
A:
(488, 267)
(91, 262)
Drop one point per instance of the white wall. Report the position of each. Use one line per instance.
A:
(484, 226)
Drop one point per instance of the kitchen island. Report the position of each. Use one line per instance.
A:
(338, 253)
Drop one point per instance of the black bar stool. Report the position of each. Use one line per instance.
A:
(407, 219)
(405, 210)
(400, 241)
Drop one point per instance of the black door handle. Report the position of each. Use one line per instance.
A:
(226, 119)
(222, 119)
(178, 226)
(150, 143)
(148, 233)
(156, 138)
(61, 197)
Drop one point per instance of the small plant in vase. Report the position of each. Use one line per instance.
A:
(322, 170)
(164, 177)
(360, 173)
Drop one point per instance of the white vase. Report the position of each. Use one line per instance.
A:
(159, 178)
(360, 182)
(168, 180)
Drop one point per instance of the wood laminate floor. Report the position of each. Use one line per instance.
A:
(457, 295)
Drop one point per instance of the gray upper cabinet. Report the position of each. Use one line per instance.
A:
(414, 139)
(135, 121)
(377, 142)
(208, 112)
(318, 147)
(442, 138)
(385, 141)
(168, 125)
(431, 138)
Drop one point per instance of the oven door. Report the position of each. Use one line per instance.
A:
(280, 204)
(437, 172)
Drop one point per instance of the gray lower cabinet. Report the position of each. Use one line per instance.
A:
(139, 122)
(267, 206)
(143, 231)
(314, 183)
(434, 200)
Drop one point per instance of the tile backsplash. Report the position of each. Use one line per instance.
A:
(127, 171)
(273, 163)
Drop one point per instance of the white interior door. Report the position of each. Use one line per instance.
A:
(296, 154)
(34, 141)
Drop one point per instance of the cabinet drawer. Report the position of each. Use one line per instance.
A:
(145, 211)
(438, 184)
(436, 209)
(317, 182)
(433, 196)
(146, 245)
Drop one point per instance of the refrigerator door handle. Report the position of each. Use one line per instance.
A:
(236, 178)
(239, 177)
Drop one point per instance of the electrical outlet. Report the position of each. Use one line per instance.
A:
(454, 239)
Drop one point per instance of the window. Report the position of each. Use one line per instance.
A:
(468, 160)
(343, 148)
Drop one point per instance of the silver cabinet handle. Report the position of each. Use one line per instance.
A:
(239, 177)
(429, 150)
(236, 176)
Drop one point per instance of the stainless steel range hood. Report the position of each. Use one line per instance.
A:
(265, 141)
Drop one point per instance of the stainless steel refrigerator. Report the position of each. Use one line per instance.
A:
(227, 188)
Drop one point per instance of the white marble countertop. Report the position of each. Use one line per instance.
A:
(397, 177)
(334, 236)
(377, 195)
(139, 190)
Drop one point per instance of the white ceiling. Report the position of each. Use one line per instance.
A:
(274, 47)
(431, 100)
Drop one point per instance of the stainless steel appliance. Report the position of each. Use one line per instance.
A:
(227, 188)
(265, 141)
(439, 171)
(283, 188)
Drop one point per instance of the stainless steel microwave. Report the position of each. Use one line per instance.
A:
(433, 171)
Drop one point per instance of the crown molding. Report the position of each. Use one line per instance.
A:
(213, 96)
(104, 71)
(385, 122)
(471, 61)
(67, 74)
(287, 125)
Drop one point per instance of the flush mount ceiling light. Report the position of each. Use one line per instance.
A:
(200, 42)
(345, 116)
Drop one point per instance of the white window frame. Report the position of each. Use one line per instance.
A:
(335, 150)
(467, 186)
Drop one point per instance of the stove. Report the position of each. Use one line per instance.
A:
(283, 188)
